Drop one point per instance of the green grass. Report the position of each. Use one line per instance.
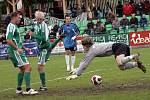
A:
(59, 88)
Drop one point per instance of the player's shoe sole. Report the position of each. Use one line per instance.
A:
(141, 66)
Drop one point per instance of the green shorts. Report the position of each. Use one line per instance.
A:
(17, 59)
(43, 56)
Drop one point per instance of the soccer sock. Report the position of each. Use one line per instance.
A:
(73, 58)
(127, 59)
(67, 61)
(130, 65)
(20, 79)
(42, 77)
(27, 79)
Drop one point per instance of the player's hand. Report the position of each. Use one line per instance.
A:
(30, 32)
(74, 37)
(27, 49)
(73, 72)
(20, 51)
(71, 77)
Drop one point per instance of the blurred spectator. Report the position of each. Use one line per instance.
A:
(90, 28)
(21, 24)
(147, 7)
(143, 22)
(116, 24)
(55, 30)
(133, 4)
(127, 8)
(99, 13)
(119, 9)
(3, 38)
(124, 23)
(90, 16)
(7, 21)
(100, 28)
(74, 11)
(94, 12)
(134, 22)
(107, 8)
(110, 17)
(139, 8)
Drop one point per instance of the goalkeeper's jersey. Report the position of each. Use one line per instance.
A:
(97, 50)
(41, 35)
(13, 34)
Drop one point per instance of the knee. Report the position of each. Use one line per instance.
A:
(121, 67)
(27, 68)
(40, 68)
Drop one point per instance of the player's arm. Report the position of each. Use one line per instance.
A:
(83, 65)
(9, 36)
(76, 31)
(12, 44)
(85, 62)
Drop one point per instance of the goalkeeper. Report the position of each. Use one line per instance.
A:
(120, 50)
(41, 35)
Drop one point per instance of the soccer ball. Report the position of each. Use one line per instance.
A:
(96, 79)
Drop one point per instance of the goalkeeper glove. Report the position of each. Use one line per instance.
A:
(71, 77)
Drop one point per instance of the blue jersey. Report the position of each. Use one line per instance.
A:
(70, 30)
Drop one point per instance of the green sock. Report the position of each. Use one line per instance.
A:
(42, 77)
(20, 79)
(27, 79)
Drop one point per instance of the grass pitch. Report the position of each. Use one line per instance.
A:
(117, 85)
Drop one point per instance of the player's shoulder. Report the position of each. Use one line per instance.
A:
(73, 24)
(63, 25)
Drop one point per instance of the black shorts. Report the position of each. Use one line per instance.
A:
(72, 48)
(120, 48)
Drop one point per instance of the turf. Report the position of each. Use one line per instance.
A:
(117, 85)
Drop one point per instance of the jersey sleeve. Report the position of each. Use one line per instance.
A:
(76, 29)
(85, 62)
(10, 31)
(45, 31)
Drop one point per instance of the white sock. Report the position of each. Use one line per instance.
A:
(73, 58)
(130, 65)
(67, 62)
(127, 59)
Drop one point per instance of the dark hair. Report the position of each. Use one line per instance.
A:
(14, 14)
(67, 16)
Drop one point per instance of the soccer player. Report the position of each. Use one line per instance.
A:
(71, 31)
(17, 54)
(41, 35)
(120, 50)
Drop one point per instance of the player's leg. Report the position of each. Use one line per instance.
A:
(41, 65)
(67, 58)
(123, 62)
(122, 55)
(20, 76)
(22, 61)
(73, 57)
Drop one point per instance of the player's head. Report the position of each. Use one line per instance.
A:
(87, 42)
(67, 19)
(15, 17)
(39, 16)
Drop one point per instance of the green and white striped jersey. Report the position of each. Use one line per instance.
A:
(41, 35)
(14, 35)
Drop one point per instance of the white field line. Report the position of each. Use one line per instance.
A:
(63, 77)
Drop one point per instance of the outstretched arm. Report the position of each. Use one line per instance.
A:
(83, 65)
